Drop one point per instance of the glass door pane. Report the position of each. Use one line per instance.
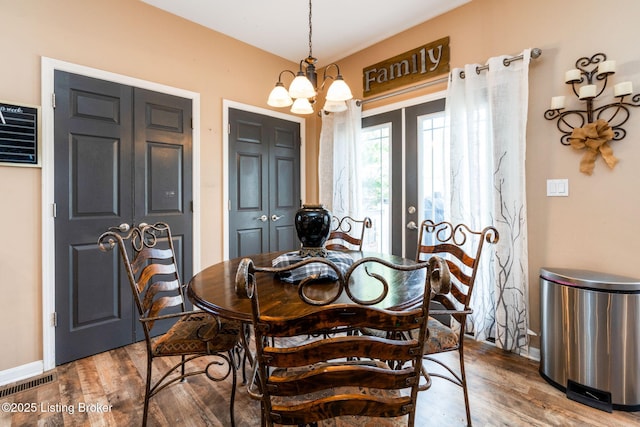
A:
(381, 180)
(432, 167)
(375, 177)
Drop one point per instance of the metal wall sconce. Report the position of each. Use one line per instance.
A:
(592, 128)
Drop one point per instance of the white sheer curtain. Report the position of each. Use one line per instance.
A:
(487, 115)
(337, 163)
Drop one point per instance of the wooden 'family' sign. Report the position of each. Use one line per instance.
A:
(421, 63)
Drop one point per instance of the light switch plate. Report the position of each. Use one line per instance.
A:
(557, 188)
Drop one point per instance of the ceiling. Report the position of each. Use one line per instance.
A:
(281, 27)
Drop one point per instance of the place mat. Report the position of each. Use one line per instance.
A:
(324, 272)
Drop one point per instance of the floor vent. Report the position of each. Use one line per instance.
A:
(26, 385)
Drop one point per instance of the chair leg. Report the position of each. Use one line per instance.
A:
(233, 388)
(463, 377)
(182, 371)
(147, 391)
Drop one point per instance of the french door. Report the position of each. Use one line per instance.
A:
(403, 172)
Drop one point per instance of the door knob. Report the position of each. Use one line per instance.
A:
(275, 217)
(411, 225)
(262, 218)
(124, 227)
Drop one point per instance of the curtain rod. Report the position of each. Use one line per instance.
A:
(535, 53)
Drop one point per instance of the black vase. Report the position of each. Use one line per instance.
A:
(313, 224)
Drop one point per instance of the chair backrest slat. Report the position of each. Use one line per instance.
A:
(339, 347)
(357, 375)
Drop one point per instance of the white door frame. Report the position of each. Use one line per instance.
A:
(226, 104)
(48, 67)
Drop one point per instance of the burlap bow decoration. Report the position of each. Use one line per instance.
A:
(594, 137)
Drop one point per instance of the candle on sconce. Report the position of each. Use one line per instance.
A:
(557, 102)
(587, 91)
(607, 67)
(572, 75)
(622, 89)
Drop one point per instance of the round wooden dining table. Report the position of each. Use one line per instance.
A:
(214, 288)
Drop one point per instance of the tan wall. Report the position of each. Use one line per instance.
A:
(593, 228)
(127, 37)
(597, 226)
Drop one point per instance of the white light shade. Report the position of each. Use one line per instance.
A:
(334, 106)
(301, 106)
(279, 97)
(301, 87)
(339, 90)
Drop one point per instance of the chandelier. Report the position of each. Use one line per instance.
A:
(303, 89)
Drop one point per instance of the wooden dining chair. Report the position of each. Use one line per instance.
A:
(461, 249)
(303, 381)
(149, 260)
(347, 233)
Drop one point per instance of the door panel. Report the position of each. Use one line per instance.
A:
(93, 143)
(394, 224)
(411, 201)
(414, 171)
(284, 191)
(163, 174)
(250, 177)
(122, 155)
(94, 176)
(264, 183)
(248, 181)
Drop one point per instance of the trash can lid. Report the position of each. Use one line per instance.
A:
(590, 279)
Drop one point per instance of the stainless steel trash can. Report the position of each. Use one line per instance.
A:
(590, 336)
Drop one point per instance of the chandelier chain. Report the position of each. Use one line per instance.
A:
(310, 31)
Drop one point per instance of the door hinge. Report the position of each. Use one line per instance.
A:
(54, 210)
(229, 128)
(53, 100)
(54, 319)
(229, 204)
(191, 205)
(191, 122)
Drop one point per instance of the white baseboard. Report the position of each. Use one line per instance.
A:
(21, 372)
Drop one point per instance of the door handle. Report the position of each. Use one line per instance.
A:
(411, 225)
(124, 227)
(275, 217)
(262, 218)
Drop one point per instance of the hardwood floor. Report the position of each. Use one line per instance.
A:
(505, 390)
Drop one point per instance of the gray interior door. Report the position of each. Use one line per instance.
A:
(264, 183)
(122, 156)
